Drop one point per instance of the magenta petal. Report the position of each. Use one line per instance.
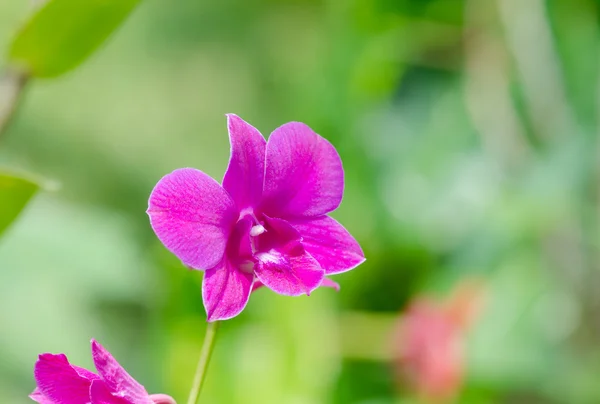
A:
(225, 291)
(328, 283)
(288, 275)
(244, 176)
(239, 246)
(100, 394)
(162, 399)
(193, 216)
(38, 397)
(58, 382)
(85, 373)
(303, 175)
(283, 265)
(257, 285)
(330, 244)
(116, 378)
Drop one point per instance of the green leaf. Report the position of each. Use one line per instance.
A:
(63, 33)
(15, 192)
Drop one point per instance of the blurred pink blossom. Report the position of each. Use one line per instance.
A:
(429, 342)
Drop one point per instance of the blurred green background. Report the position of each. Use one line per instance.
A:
(469, 134)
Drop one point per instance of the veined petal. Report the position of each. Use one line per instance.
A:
(326, 283)
(290, 275)
(244, 176)
(283, 265)
(38, 397)
(225, 291)
(116, 378)
(100, 394)
(192, 215)
(85, 373)
(58, 382)
(330, 244)
(304, 176)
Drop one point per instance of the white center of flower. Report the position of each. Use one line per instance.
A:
(257, 230)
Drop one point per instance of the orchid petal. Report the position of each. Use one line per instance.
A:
(239, 246)
(257, 285)
(100, 394)
(38, 397)
(225, 291)
(288, 275)
(58, 382)
(85, 373)
(327, 283)
(192, 215)
(162, 399)
(284, 266)
(116, 378)
(304, 176)
(279, 235)
(244, 176)
(330, 244)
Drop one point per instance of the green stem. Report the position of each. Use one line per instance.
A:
(12, 84)
(207, 349)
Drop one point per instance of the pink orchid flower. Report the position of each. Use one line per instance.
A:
(267, 223)
(59, 382)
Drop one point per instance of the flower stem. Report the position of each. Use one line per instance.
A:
(12, 84)
(207, 348)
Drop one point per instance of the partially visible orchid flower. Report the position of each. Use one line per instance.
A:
(429, 342)
(266, 225)
(59, 382)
